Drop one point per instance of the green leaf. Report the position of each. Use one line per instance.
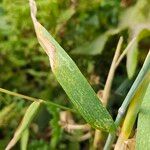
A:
(132, 59)
(64, 17)
(7, 114)
(143, 129)
(24, 140)
(28, 117)
(132, 112)
(138, 25)
(141, 32)
(141, 8)
(38, 145)
(145, 71)
(56, 128)
(71, 79)
(93, 48)
(96, 46)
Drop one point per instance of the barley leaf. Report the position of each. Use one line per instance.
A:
(7, 114)
(24, 140)
(28, 117)
(97, 45)
(132, 112)
(71, 79)
(143, 129)
(122, 110)
(138, 26)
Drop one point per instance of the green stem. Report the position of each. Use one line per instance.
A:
(126, 102)
(17, 95)
(132, 112)
(34, 99)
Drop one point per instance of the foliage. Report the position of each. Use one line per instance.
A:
(89, 32)
(56, 129)
(26, 121)
(67, 74)
(143, 122)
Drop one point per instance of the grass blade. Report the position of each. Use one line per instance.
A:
(143, 129)
(7, 113)
(28, 117)
(24, 140)
(132, 112)
(122, 110)
(71, 79)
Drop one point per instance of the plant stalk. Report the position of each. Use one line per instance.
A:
(34, 99)
(132, 112)
(126, 102)
(107, 88)
(115, 63)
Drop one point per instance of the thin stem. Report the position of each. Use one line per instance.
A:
(33, 99)
(97, 138)
(84, 127)
(107, 87)
(81, 138)
(84, 137)
(132, 112)
(17, 95)
(59, 106)
(126, 102)
(111, 73)
(110, 140)
(115, 63)
(125, 52)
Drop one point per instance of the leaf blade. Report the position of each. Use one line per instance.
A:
(28, 117)
(71, 79)
(24, 140)
(143, 130)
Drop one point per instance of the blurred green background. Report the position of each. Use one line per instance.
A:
(89, 32)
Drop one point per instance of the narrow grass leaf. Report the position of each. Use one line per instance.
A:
(96, 46)
(24, 139)
(137, 25)
(6, 114)
(132, 57)
(71, 79)
(132, 60)
(28, 117)
(64, 17)
(132, 112)
(122, 110)
(143, 129)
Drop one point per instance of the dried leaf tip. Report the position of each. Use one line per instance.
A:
(33, 9)
(40, 32)
(149, 52)
(49, 48)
